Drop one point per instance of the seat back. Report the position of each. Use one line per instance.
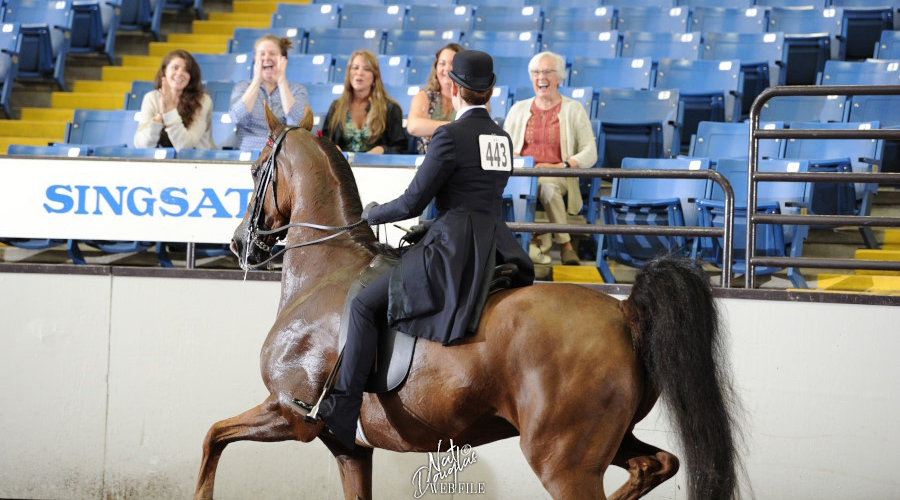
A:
(731, 20)
(715, 140)
(439, 17)
(419, 42)
(56, 16)
(508, 18)
(218, 155)
(10, 46)
(500, 101)
(321, 96)
(804, 108)
(808, 20)
(620, 73)
(654, 19)
(144, 153)
(861, 73)
(889, 45)
(595, 44)
(520, 198)
(579, 18)
(220, 93)
(635, 123)
(309, 68)
(420, 68)
(102, 127)
(394, 160)
(661, 45)
(884, 109)
(730, 4)
(135, 97)
(343, 40)
(70, 151)
(308, 16)
(403, 94)
(394, 69)
(381, 17)
(708, 90)
(504, 43)
(244, 39)
(225, 67)
(512, 71)
(863, 23)
(812, 4)
(761, 56)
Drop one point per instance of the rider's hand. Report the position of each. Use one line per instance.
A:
(415, 234)
(365, 213)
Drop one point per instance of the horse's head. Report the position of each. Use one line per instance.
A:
(271, 204)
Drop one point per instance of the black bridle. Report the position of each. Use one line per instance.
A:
(256, 225)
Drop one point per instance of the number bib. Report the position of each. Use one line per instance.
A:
(495, 154)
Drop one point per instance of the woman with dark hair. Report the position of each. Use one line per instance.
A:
(270, 86)
(178, 114)
(431, 107)
(365, 118)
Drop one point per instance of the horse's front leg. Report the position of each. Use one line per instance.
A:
(263, 423)
(355, 467)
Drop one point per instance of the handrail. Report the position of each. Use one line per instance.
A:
(726, 232)
(828, 220)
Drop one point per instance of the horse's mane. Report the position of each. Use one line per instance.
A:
(350, 200)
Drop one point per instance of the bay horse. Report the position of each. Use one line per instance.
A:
(568, 369)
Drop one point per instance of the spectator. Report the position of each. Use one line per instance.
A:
(177, 114)
(269, 85)
(364, 118)
(432, 107)
(557, 132)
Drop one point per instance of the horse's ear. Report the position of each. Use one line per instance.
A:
(271, 120)
(307, 120)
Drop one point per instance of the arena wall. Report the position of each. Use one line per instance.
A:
(110, 383)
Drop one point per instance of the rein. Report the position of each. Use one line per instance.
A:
(268, 177)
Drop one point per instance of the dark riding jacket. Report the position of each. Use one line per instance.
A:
(439, 287)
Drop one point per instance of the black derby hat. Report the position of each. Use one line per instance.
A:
(473, 70)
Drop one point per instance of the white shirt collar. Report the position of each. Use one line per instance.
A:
(463, 110)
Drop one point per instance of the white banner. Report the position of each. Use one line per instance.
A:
(146, 200)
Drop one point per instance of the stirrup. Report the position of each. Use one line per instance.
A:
(311, 413)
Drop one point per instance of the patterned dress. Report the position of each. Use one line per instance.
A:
(435, 112)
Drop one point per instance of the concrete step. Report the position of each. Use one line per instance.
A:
(33, 128)
(5, 141)
(128, 73)
(859, 283)
(255, 7)
(160, 49)
(226, 27)
(868, 254)
(141, 61)
(101, 87)
(241, 17)
(194, 38)
(48, 114)
(86, 100)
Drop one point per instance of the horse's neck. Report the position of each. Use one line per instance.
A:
(324, 268)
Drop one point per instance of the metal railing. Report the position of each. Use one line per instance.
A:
(726, 232)
(753, 219)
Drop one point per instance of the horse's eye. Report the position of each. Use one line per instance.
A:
(254, 173)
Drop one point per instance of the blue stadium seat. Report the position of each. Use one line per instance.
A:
(772, 197)
(709, 91)
(307, 16)
(579, 18)
(504, 43)
(321, 96)
(761, 56)
(730, 4)
(381, 17)
(889, 45)
(884, 109)
(394, 69)
(419, 68)
(496, 3)
(824, 155)
(641, 3)
(393, 160)
(815, 4)
(649, 202)
(309, 68)
(358, 2)
(861, 73)
(102, 127)
(715, 140)
(403, 94)
(563, 3)
(595, 44)
(419, 42)
(710, 20)
(141, 15)
(500, 101)
(426, 2)
(636, 123)
(218, 155)
(512, 71)
(863, 22)
(505, 18)
(10, 47)
(244, 39)
(661, 45)
(804, 108)
(145, 153)
(66, 150)
(343, 40)
(654, 19)
(621, 73)
(439, 17)
(45, 28)
(223, 130)
(220, 93)
(225, 67)
(811, 38)
(94, 26)
(520, 198)
(134, 98)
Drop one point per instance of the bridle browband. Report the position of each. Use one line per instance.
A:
(253, 226)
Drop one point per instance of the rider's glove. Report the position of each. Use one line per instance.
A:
(365, 213)
(415, 234)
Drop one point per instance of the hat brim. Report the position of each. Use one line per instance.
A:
(476, 86)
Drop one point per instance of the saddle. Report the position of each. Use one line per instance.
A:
(395, 349)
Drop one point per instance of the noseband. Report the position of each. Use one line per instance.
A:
(268, 176)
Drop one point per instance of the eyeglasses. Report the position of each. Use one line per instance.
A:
(544, 72)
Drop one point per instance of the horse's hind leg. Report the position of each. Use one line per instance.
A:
(263, 423)
(648, 466)
(355, 467)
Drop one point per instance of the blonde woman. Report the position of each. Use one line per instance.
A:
(364, 118)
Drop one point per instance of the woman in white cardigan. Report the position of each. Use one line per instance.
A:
(178, 114)
(555, 130)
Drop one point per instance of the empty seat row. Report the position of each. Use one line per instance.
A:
(636, 3)
(75, 151)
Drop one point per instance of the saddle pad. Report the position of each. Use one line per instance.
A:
(395, 349)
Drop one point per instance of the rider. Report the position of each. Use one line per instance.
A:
(438, 289)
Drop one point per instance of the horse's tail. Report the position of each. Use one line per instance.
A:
(675, 327)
